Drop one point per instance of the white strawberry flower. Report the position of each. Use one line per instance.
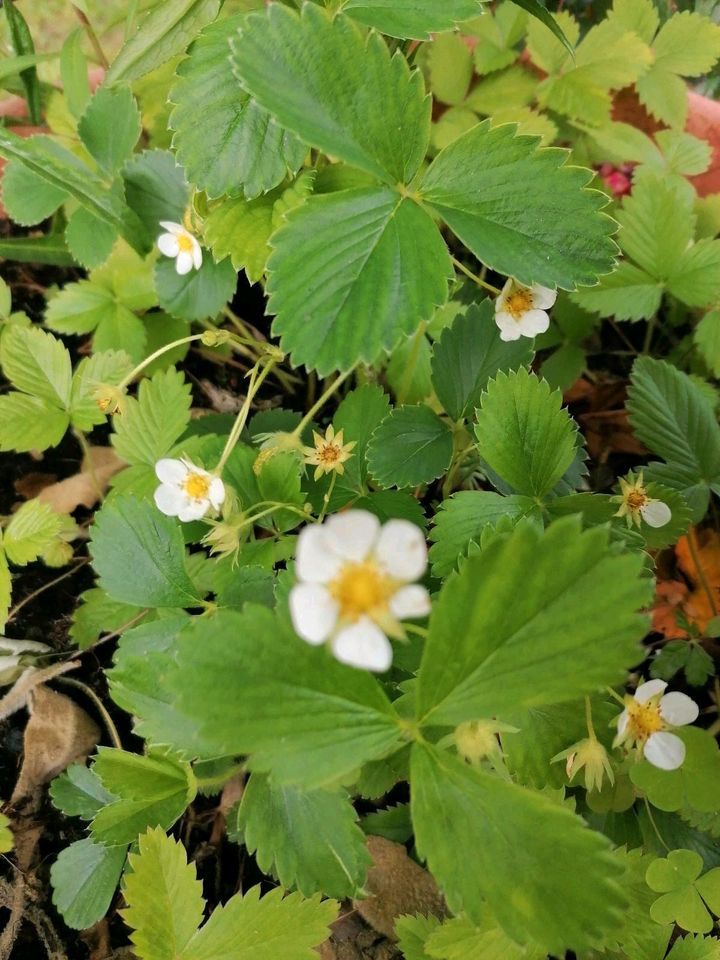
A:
(181, 245)
(521, 311)
(187, 491)
(647, 719)
(356, 583)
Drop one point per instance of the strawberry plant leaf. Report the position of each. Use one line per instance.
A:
(389, 270)
(493, 612)
(411, 446)
(521, 209)
(337, 88)
(462, 818)
(239, 147)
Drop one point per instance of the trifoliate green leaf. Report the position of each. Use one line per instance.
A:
(309, 839)
(163, 896)
(79, 307)
(688, 43)
(239, 147)
(358, 415)
(164, 33)
(84, 879)
(695, 278)
(694, 784)
(485, 185)
(686, 896)
(470, 352)
(530, 590)
(373, 114)
(414, 19)
(149, 791)
(240, 229)
(197, 295)
(389, 269)
(483, 836)
(257, 688)
(151, 425)
(110, 127)
(139, 555)
(546, 51)
(461, 520)
(639, 16)
(79, 792)
(524, 434)
(411, 446)
(408, 370)
(30, 532)
(393, 823)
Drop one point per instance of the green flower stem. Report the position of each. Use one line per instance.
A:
(326, 498)
(153, 356)
(321, 401)
(588, 719)
(468, 273)
(256, 379)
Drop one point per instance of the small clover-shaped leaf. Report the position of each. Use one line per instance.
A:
(686, 896)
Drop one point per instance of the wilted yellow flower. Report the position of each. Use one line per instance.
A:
(110, 399)
(477, 740)
(329, 452)
(636, 505)
(592, 757)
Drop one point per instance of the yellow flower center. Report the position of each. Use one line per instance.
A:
(636, 498)
(196, 486)
(644, 719)
(361, 588)
(518, 303)
(185, 244)
(329, 453)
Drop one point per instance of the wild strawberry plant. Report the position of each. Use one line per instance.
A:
(410, 186)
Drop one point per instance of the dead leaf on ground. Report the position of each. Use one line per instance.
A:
(58, 733)
(697, 597)
(397, 886)
(85, 488)
(600, 410)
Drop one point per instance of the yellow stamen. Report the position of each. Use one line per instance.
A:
(519, 302)
(644, 719)
(196, 486)
(362, 588)
(185, 244)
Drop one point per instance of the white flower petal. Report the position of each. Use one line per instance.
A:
(543, 297)
(509, 333)
(655, 513)
(313, 612)
(216, 493)
(167, 244)
(401, 550)
(410, 602)
(622, 722)
(171, 471)
(678, 709)
(315, 561)
(664, 750)
(184, 262)
(193, 510)
(172, 227)
(650, 689)
(363, 645)
(197, 254)
(169, 500)
(352, 534)
(533, 322)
